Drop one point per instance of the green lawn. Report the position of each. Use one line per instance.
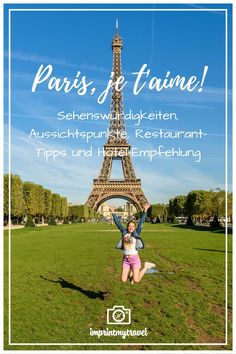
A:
(64, 278)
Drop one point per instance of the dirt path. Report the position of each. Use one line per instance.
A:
(13, 227)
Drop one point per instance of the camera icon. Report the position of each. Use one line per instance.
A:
(118, 315)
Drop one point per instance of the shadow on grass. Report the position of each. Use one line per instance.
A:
(210, 250)
(204, 228)
(89, 293)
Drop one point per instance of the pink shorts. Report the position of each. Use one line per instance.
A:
(132, 261)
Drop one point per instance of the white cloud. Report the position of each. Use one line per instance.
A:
(35, 58)
(94, 67)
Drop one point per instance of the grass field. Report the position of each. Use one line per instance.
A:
(64, 278)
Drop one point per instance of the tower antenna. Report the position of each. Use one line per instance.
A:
(116, 26)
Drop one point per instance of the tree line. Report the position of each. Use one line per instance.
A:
(197, 206)
(33, 201)
(78, 213)
(30, 200)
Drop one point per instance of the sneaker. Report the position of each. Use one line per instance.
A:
(149, 265)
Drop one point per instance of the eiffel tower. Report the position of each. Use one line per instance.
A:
(116, 148)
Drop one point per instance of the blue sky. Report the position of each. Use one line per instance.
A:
(181, 42)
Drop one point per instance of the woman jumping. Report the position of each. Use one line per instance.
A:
(130, 243)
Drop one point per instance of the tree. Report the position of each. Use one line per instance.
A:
(157, 211)
(64, 208)
(218, 202)
(170, 208)
(152, 211)
(56, 205)
(39, 195)
(32, 200)
(17, 197)
(47, 204)
(192, 205)
(178, 205)
(198, 204)
(85, 210)
(119, 209)
(78, 212)
(6, 197)
(162, 211)
(91, 213)
(29, 189)
(229, 206)
(74, 212)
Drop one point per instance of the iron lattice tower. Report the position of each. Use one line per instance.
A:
(104, 187)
